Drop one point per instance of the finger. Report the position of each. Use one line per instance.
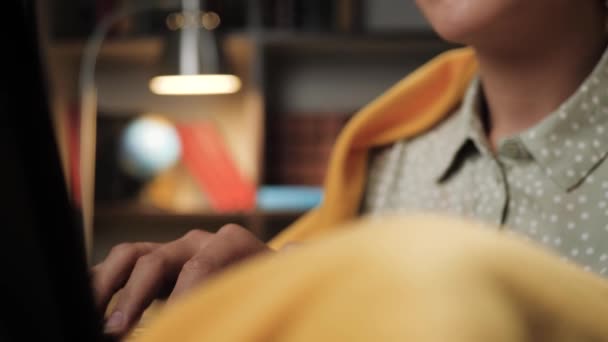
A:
(110, 275)
(152, 272)
(230, 244)
(290, 246)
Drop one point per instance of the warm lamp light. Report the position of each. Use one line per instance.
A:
(193, 61)
(195, 84)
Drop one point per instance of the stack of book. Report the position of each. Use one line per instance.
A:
(233, 13)
(312, 15)
(80, 19)
(299, 147)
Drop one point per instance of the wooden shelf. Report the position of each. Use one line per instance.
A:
(149, 49)
(127, 223)
(139, 212)
(144, 49)
(285, 36)
(263, 224)
(370, 45)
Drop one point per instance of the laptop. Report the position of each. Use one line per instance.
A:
(44, 274)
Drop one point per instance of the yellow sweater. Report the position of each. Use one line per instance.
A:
(418, 279)
(411, 107)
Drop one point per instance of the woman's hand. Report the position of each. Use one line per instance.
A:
(146, 271)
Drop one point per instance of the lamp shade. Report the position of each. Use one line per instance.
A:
(195, 84)
(193, 62)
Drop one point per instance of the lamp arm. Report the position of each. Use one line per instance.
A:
(94, 43)
(88, 105)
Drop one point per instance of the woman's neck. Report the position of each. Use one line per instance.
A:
(523, 87)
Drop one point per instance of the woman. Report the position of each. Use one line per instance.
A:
(525, 147)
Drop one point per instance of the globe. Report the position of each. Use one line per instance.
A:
(148, 146)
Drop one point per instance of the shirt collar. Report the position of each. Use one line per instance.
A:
(568, 144)
(573, 140)
(463, 129)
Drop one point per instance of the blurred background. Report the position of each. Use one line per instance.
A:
(218, 111)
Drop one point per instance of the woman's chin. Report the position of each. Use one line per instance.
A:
(455, 33)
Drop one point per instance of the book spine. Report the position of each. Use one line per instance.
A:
(300, 147)
(207, 158)
(285, 12)
(314, 15)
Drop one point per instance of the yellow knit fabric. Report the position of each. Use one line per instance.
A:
(419, 279)
(411, 107)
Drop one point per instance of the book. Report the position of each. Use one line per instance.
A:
(288, 198)
(207, 158)
(314, 15)
(299, 147)
(285, 14)
(347, 15)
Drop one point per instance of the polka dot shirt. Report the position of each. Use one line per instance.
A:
(548, 184)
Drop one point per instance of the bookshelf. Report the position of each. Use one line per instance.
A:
(141, 49)
(292, 76)
(119, 222)
(148, 49)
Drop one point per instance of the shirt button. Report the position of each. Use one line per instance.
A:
(497, 177)
(496, 172)
(509, 149)
(513, 149)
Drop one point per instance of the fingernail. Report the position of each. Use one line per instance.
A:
(115, 322)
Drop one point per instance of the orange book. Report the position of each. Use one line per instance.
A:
(208, 159)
